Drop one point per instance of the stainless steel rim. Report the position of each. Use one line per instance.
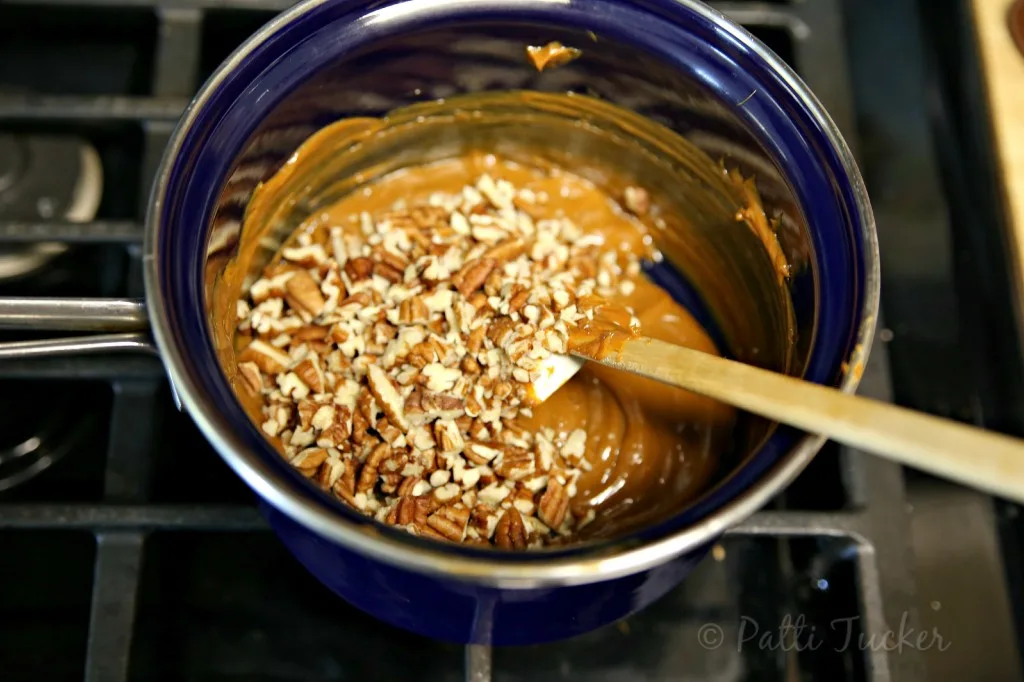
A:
(499, 572)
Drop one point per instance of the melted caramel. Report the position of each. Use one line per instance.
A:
(651, 446)
(552, 55)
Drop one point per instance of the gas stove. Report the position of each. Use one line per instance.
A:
(131, 552)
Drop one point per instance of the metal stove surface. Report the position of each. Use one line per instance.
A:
(130, 552)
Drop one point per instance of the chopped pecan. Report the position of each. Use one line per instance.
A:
(345, 487)
(311, 333)
(478, 300)
(360, 427)
(473, 274)
(359, 269)
(480, 453)
(270, 360)
(447, 492)
(447, 436)
(309, 460)
(304, 294)
(494, 283)
(371, 468)
(403, 512)
(413, 408)
(469, 365)
(413, 486)
(484, 519)
(441, 406)
(388, 272)
(450, 521)
(389, 482)
(522, 499)
(515, 464)
(250, 373)
(425, 506)
(553, 504)
(388, 432)
(518, 300)
(393, 260)
(307, 410)
(387, 396)
(359, 299)
(501, 330)
(310, 372)
(423, 530)
(510, 249)
(336, 435)
(510, 533)
(330, 472)
(413, 311)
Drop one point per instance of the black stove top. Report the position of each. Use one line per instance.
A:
(129, 551)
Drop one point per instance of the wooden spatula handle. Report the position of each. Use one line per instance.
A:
(984, 460)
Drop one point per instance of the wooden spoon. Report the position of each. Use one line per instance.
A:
(969, 455)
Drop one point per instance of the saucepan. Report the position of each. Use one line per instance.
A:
(676, 62)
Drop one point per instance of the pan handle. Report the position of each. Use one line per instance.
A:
(124, 322)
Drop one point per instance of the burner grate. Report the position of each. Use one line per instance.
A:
(146, 517)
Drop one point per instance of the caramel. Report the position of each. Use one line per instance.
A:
(651, 447)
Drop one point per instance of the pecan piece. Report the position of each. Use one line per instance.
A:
(451, 522)
(476, 339)
(330, 472)
(553, 504)
(473, 274)
(501, 330)
(447, 436)
(402, 513)
(359, 268)
(425, 506)
(478, 453)
(517, 301)
(389, 482)
(309, 460)
(336, 435)
(304, 293)
(522, 499)
(510, 249)
(442, 406)
(389, 432)
(413, 311)
(360, 426)
(413, 486)
(510, 533)
(387, 396)
(251, 377)
(515, 464)
(394, 260)
(270, 360)
(310, 372)
(311, 333)
(345, 487)
(371, 467)
(470, 366)
(360, 299)
(307, 410)
(388, 272)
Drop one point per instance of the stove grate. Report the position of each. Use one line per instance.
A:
(867, 531)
